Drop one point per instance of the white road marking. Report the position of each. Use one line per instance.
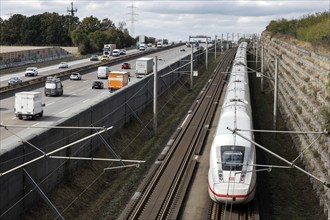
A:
(13, 118)
(86, 100)
(50, 103)
(69, 86)
(63, 111)
(35, 124)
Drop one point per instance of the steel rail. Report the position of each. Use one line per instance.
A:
(188, 143)
(213, 93)
(141, 209)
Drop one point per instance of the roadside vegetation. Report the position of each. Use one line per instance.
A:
(314, 29)
(52, 29)
(311, 28)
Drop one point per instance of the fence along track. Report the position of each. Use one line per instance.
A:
(163, 195)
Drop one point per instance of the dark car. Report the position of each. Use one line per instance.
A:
(97, 85)
(126, 66)
(122, 52)
(94, 58)
(14, 80)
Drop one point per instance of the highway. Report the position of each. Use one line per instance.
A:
(54, 68)
(78, 95)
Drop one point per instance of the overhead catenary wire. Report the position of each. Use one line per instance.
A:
(161, 109)
(286, 132)
(97, 159)
(64, 127)
(49, 126)
(25, 141)
(54, 151)
(234, 131)
(307, 148)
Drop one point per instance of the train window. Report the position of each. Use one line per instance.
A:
(232, 158)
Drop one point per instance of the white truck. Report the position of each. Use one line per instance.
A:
(144, 65)
(159, 45)
(28, 105)
(108, 48)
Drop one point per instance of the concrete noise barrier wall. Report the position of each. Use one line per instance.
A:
(17, 193)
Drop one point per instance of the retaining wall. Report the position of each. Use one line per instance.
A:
(302, 95)
(31, 55)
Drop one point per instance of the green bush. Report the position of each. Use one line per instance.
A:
(311, 28)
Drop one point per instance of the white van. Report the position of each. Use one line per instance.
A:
(116, 53)
(102, 72)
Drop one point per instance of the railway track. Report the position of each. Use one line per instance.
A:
(227, 212)
(162, 192)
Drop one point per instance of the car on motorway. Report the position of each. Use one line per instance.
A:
(182, 50)
(94, 57)
(105, 58)
(53, 86)
(116, 53)
(31, 71)
(14, 80)
(97, 84)
(122, 52)
(126, 66)
(63, 65)
(75, 76)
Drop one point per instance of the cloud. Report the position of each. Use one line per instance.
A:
(178, 19)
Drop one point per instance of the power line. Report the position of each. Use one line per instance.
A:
(132, 19)
(234, 131)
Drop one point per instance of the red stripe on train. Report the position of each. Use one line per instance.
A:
(231, 196)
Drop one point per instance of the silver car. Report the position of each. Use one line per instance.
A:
(63, 65)
(75, 76)
(14, 80)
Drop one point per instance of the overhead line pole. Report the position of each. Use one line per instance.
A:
(155, 96)
(275, 96)
(191, 66)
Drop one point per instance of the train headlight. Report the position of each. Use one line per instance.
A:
(220, 175)
(242, 179)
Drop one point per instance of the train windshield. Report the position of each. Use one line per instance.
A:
(232, 158)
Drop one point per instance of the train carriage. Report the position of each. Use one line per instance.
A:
(231, 176)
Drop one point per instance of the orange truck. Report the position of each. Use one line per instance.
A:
(117, 80)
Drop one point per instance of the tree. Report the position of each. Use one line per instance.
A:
(107, 24)
(11, 30)
(90, 24)
(121, 26)
(31, 31)
(97, 40)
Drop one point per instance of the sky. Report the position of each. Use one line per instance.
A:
(176, 20)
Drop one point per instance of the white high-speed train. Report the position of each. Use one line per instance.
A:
(231, 176)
